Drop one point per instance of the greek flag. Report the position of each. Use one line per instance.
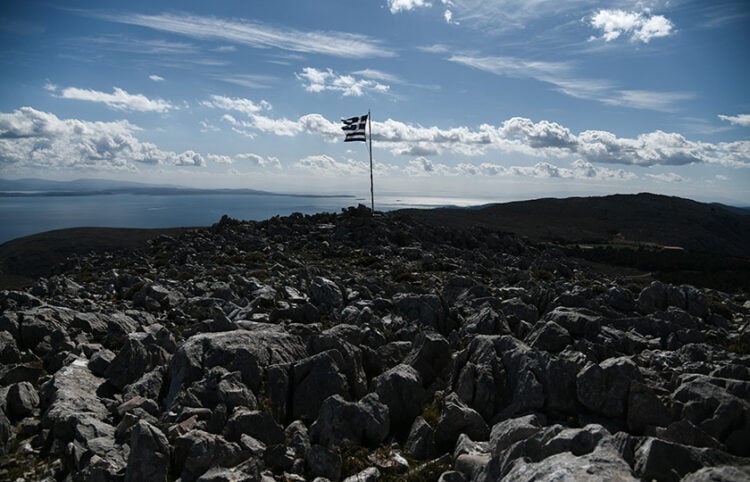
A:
(355, 128)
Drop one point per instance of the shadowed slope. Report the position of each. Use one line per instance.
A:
(641, 218)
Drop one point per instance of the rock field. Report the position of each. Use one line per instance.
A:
(359, 348)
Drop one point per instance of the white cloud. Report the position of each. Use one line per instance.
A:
(189, 158)
(397, 6)
(251, 81)
(259, 161)
(515, 135)
(502, 15)
(50, 87)
(119, 99)
(740, 119)
(156, 78)
(435, 49)
(670, 177)
(208, 127)
(219, 159)
(258, 35)
(323, 164)
(239, 104)
(560, 76)
(32, 138)
(422, 166)
(642, 27)
(348, 85)
(448, 16)
(378, 75)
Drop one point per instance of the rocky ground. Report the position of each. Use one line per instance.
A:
(347, 347)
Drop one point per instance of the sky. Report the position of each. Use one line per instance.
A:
(504, 99)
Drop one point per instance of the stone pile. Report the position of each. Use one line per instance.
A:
(360, 348)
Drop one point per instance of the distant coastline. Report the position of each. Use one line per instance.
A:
(101, 187)
(167, 192)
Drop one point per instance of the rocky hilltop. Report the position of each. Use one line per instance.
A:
(360, 348)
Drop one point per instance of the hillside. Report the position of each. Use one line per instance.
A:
(359, 348)
(641, 218)
(24, 259)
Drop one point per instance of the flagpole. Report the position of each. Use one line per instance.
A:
(372, 188)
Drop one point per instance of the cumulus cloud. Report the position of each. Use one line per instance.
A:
(578, 170)
(397, 6)
(156, 78)
(423, 166)
(119, 99)
(516, 135)
(219, 159)
(349, 85)
(259, 161)
(32, 138)
(670, 177)
(740, 119)
(189, 158)
(245, 106)
(323, 164)
(642, 27)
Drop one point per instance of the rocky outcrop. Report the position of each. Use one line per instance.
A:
(353, 347)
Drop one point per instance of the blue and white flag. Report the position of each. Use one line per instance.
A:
(355, 128)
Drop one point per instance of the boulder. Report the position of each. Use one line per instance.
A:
(149, 454)
(486, 321)
(6, 429)
(645, 409)
(667, 461)
(21, 401)
(549, 336)
(430, 356)
(257, 424)
(43, 322)
(8, 349)
(455, 419)
(400, 388)
(420, 442)
(323, 462)
(723, 473)
(620, 299)
(653, 297)
(717, 405)
(139, 354)
(99, 362)
(518, 308)
(315, 379)
(427, 310)
(197, 451)
(365, 422)
(577, 321)
(604, 388)
(506, 433)
(249, 352)
(598, 465)
(370, 474)
(479, 377)
(325, 294)
(73, 409)
(149, 385)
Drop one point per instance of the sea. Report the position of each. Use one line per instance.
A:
(26, 215)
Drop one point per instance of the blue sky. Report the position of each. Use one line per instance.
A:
(504, 99)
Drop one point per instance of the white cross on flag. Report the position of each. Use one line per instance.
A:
(355, 128)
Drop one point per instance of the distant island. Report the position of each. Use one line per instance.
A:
(103, 187)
